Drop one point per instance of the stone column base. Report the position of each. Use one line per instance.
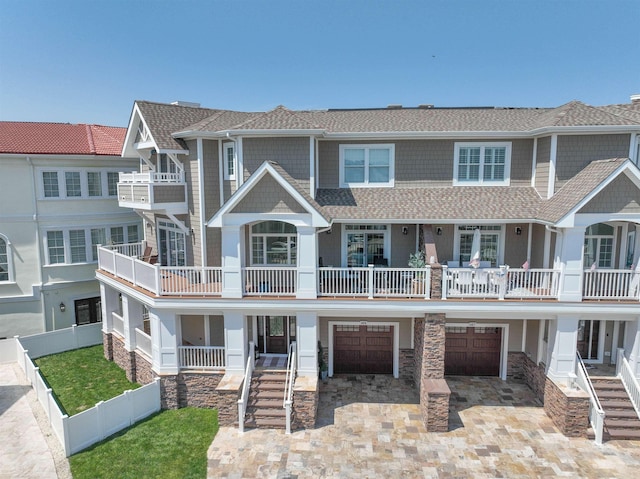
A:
(567, 408)
(434, 405)
(306, 395)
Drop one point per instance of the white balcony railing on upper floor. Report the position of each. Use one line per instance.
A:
(150, 177)
(267, 281)
(372, 282)
(500, 283)
(611, 284)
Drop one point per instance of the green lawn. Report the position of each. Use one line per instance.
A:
(170, 444)
(83, 377)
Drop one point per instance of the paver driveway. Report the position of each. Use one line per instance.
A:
(370, 426)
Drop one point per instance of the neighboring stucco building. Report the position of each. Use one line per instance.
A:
(58, 200)
(292, 229)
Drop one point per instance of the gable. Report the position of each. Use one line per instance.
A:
(619, 196)
(268, 196)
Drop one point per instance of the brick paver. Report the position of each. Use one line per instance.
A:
(370, 426)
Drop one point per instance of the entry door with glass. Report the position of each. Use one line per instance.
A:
(275, 333)
(171, 244)
(589, 340)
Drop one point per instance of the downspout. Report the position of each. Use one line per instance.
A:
(36, 219)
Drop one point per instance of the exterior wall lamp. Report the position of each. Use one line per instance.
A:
(63, 308)
(518, 230)
(405, 230)
(439, 231)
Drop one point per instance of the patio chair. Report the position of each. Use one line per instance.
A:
(464, 281)
(147, 257)
(481, 280)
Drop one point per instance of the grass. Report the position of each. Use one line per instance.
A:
(83, 377)
(170, 444)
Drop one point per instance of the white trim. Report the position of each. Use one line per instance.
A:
(220, 173)
(504, 341)
(312, 167)
(366, 147)
(501, 239)
(132, 132)
(226, 146)
(9, 251)
(201, 219)
(534, 162)
(239, 163)
(553, 158)
(84, 182)
(343, 240)
(396, 340)
(506, 181)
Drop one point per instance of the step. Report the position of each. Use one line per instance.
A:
(271, 423)
(623, 434)
(609, 386)
(621, 414)
(612, 395)
(270, 386)
(265, 403)
(613, 404)
(279, 412)
(267, 394)
(622, 423)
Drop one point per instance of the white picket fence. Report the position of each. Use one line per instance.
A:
(80, 431)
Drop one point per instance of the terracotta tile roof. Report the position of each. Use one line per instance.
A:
(445, 203)
(60, 138)
(577, 188)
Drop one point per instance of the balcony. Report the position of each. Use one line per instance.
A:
(153, 192)
(124, 262)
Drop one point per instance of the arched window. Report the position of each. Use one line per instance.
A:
(599, 246)
(273, 243)
(5, 259)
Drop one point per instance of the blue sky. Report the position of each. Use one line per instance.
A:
(87, 61)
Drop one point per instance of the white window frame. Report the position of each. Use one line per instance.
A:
(9, 265)
(84, 183)
(173, 234)
(481, 180)
(354, 228)
(598, 245)
(292, 244)
(88, 245)
(457, 240)
(367, 147)
(229, 175)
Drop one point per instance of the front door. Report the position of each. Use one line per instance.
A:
(275, 333)
(589, 339)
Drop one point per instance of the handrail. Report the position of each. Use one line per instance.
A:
(246, 385)
(288, 388)
(596, 413)
(625, 373)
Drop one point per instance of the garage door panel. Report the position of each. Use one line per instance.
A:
(373, 345)
(473, 351)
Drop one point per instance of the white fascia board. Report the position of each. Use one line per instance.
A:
(193, 134)
(411, 135)
(173, 152)
(239, 219)
(131, 132)
(567, 221)
(586, 130)
(439, 221)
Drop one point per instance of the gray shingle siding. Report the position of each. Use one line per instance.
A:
(620, 196)
(292, 154)
(543, 158)
(577, 151)
(268, 197)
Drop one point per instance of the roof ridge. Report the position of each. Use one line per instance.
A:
(92, 145)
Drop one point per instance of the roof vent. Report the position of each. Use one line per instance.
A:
(394, 107)
(186, 103)
(425, 106)
(635, 99)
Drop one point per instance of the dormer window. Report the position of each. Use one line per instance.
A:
(482, 164)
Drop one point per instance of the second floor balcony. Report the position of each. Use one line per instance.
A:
(153, 191)
(125, 262)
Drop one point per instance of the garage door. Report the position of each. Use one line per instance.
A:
(472, 351)
(363, 349)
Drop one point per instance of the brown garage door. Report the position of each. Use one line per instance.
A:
(472, 351)
(363, 349)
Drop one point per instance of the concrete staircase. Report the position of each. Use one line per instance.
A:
(264, 408)
(621, 420)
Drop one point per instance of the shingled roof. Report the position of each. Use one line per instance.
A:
(60, 138)
(433, 204)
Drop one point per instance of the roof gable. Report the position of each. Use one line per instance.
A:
(621, 195)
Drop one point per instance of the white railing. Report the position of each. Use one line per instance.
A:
(150, 177)
(118, 323)
(375, 282)
(499, 283)
(80, 431)
(288, 385)
(596, 413)
(143, 342)
(201, 357)
(190, 281)
(625, 372)
(611, 284)
(269, 281)
(246, 386)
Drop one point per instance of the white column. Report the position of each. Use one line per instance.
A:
(307, 262)
(132, 319)
(563, 337)
(631, 345)
(235, 342)
(232, 261)
(109, 303)
(165, 338)
(569, 245)
(307, 343)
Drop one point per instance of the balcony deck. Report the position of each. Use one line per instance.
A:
(122, 263)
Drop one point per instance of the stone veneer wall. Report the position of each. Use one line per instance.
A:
(569, 410)
(107, 346)
(436, 281)
(515, 366)
(407, 364)
(305, 409)
(144, 374)
(123, 358)
(429, 343)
